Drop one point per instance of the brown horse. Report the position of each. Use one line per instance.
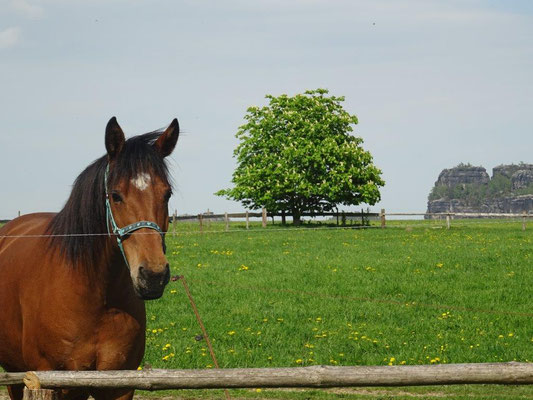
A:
(73, 284)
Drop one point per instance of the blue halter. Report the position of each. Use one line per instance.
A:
(123, 233)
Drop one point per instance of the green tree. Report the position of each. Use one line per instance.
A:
(297, 155)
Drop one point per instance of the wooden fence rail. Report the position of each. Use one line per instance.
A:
(511, 373)
(343, 215)
(11, 378)
(364, 216)
(251, 214)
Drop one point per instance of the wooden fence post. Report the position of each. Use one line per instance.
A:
(201, 222)
(264, 211)
(174, 222)
(382, 216)
(40, 394)
(524, 222)
(447, 221)
(247, 220)
(226, 220)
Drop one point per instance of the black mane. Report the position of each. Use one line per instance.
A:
(84, 213)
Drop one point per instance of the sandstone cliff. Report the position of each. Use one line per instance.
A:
(462, 175)
(469, 189)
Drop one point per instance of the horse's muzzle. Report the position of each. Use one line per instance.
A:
(150, 285)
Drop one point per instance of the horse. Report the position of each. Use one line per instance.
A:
(73, 283)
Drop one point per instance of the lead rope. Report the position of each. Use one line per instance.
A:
(202, 327)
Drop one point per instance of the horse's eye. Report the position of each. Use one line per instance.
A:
(167, 195)
(117, 198)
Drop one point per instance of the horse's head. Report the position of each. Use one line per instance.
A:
(138, 192)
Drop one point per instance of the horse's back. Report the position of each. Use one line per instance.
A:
(22, 242)
(22, 248)
(21, 229)
(27, 224)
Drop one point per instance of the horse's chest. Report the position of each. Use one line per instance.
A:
(115, 340)
(121, 339)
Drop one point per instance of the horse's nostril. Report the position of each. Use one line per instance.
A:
(150, 277)
(142, 272)
(150, 284)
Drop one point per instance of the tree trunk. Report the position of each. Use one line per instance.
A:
(283, 221)
(296, 217)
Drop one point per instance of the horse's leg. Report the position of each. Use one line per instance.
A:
(16, 391)
(113, 394)
(120, 346)
(73, 394)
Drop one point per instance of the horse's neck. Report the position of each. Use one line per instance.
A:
(106, 275)
(117, 286)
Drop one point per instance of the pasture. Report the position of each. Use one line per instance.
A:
(289, 297)
(282, 296)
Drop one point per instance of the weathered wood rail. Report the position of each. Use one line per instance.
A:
(269, 214)
(511, 373)
(357, 214)
(11, 378)
(347, 214)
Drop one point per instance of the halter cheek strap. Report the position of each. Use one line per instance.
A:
(123, 233)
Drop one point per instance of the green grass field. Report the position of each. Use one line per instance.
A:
(414, 293)
(280, 297)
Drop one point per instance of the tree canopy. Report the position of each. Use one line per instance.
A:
(297, 155)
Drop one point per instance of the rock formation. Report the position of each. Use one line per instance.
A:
(468, 189)
(521, 179)
(462, 175)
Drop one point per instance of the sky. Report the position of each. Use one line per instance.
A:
(433, 83)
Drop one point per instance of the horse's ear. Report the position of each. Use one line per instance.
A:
(114, 138)
(167, 141)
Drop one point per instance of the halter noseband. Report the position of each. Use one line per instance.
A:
(124, 233)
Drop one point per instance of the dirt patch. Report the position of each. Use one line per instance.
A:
(346, 391)
(388, 393)
(373, 393)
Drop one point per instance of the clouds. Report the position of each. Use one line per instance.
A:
(27, 9)
(9, 37)
(433, 83)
